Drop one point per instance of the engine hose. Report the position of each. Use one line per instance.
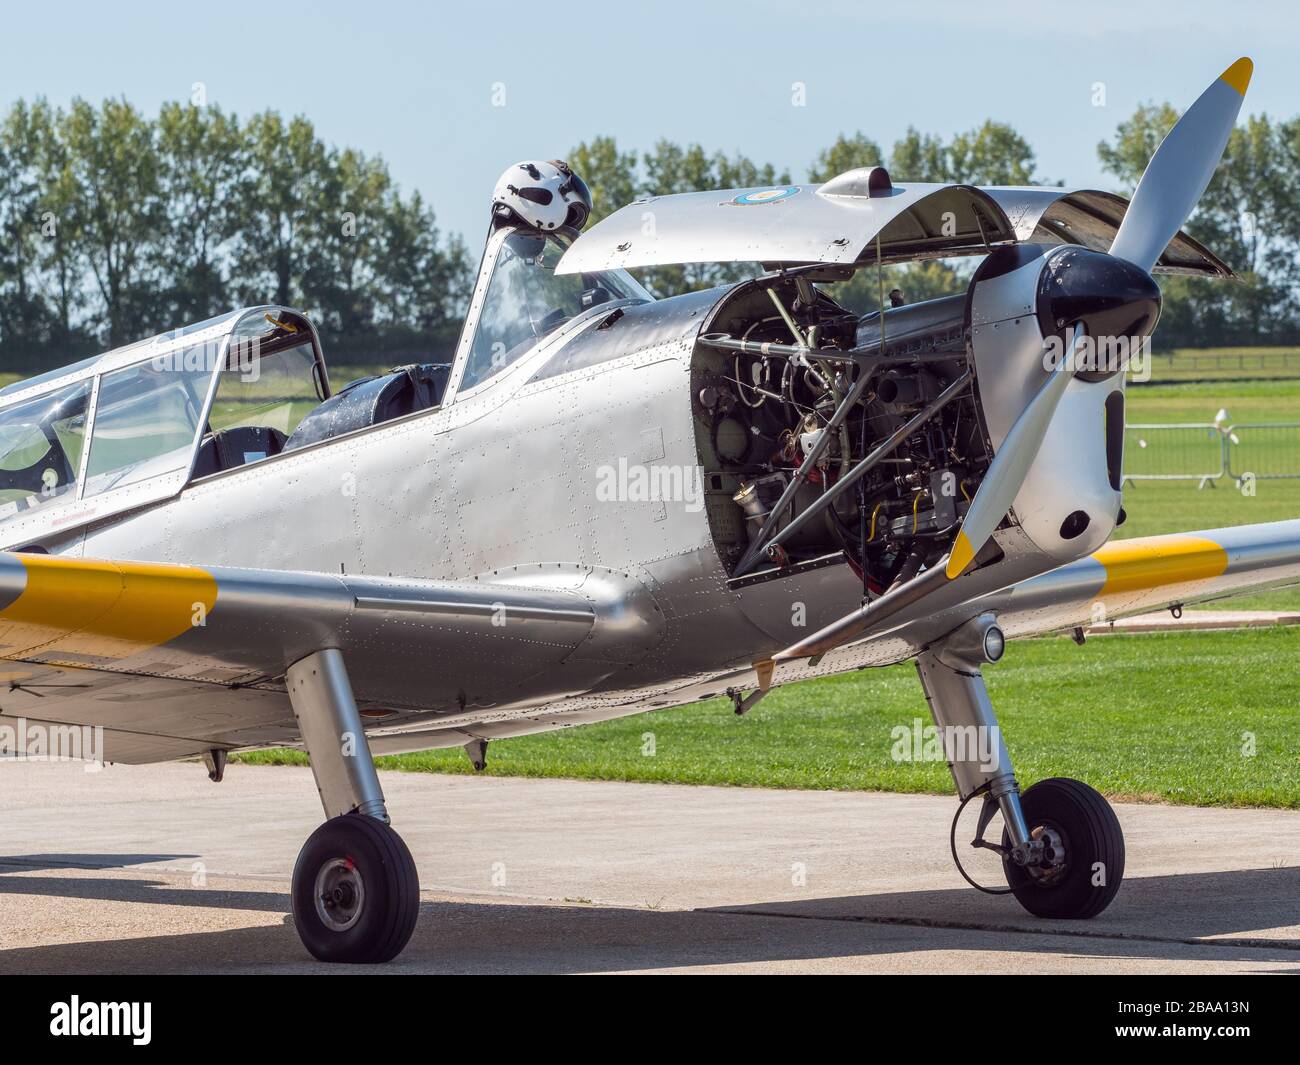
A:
(741, 386)
(910, 567)
(937, 533)
(873, 521)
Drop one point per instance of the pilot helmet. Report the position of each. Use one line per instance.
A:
(542, 196)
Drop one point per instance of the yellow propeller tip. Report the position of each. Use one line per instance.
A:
(962, 553)
(1238, 75)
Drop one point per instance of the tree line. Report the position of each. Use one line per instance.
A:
(115, 225)
(992, 154)
(1249, 215)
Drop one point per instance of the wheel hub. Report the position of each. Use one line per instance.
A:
(340, 894)
(1051, 855)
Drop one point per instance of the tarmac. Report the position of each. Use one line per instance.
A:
(155, 869)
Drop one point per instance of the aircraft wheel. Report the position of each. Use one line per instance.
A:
(1083, 860)
(355, 891)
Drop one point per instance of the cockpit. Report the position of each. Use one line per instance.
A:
(135, 424)
(138, 424)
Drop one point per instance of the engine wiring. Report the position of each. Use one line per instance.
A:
(804, 436)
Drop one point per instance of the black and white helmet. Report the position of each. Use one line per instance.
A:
(542, 195)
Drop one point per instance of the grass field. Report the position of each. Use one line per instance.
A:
(1154, 717)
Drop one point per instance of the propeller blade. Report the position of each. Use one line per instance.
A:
(1181, 169)
(1007, 471)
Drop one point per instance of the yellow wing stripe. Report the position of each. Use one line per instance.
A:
(1153, 561)
(103, 609)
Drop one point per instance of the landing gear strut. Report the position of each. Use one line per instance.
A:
(355, 890)
(1062, 848)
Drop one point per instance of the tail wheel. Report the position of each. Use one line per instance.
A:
(355, 891)
(1083, 852)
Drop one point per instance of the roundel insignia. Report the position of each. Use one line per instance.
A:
(757, 197)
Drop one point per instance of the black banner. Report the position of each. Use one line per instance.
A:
(974, 1013)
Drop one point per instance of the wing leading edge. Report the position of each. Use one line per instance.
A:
(173, 660)
(1130, 577)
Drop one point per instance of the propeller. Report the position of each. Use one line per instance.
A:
(1007, 471)
(1168, 192)
(1181, 169)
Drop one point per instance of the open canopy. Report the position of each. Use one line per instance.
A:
(855, 217)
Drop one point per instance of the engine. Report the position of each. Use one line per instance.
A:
(792, 393)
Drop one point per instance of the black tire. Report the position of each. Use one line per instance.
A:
(375, 893)
(1094, 851)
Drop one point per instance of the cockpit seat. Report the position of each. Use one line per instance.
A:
(237, 446)
(372, 400)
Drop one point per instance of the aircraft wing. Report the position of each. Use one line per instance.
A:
(1123, 578)
(174, 660)
(1133, 576)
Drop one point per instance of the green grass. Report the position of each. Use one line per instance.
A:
(1153, 717)
(1246, 401)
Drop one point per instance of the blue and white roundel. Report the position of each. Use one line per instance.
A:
(762, 196)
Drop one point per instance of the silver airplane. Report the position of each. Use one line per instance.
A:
(608, 504)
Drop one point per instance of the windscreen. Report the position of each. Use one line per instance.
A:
(526, 300)
(146, 421)
(41, 442)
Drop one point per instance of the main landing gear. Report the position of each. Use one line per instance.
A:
(1062, 848)
(355, 891)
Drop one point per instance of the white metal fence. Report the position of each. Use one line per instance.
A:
(1206, 452)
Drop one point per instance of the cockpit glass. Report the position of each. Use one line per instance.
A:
(146, 421)
(275, 390)
(40, 448)
(526, 300)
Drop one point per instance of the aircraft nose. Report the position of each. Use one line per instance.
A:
(1116, 300)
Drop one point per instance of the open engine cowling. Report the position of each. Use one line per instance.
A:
(937, 395)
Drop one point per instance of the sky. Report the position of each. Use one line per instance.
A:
(451, 95)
